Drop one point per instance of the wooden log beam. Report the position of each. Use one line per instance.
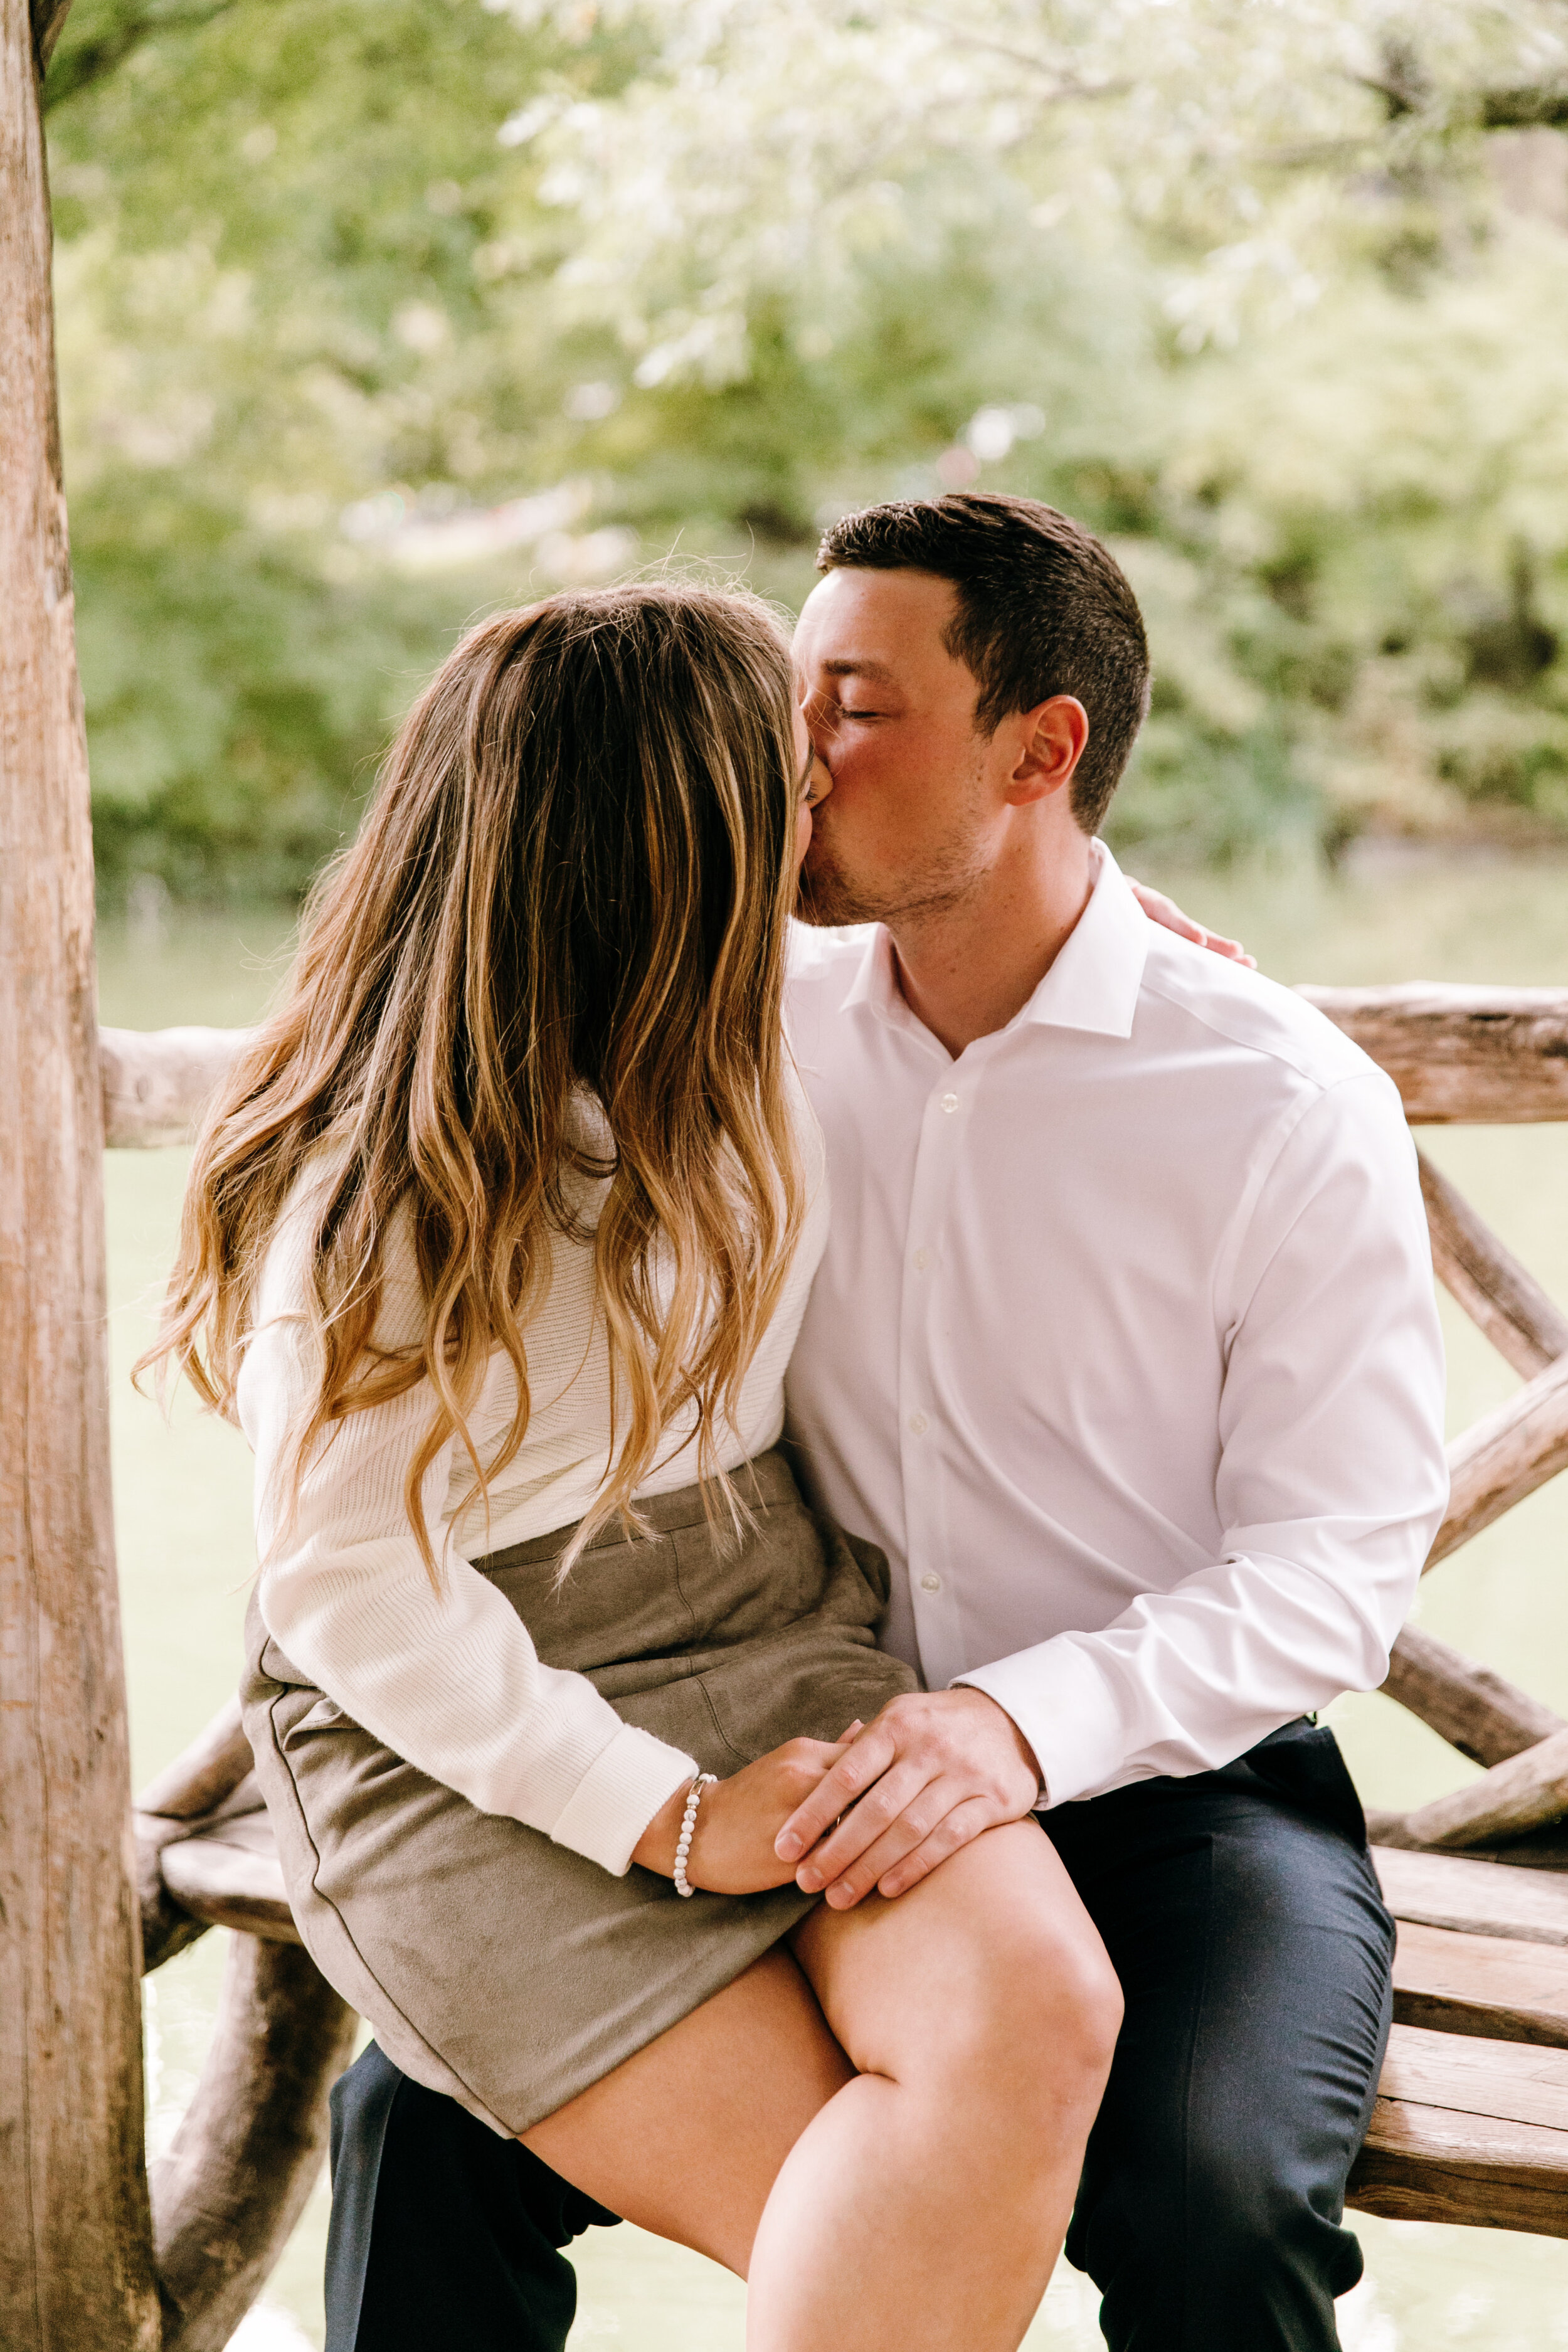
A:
(229, 1876)
(1467, 1055)
(75, 2241)
(204, 1774)
(156, 1082)
(1499, 1295)
(1481, 1055)
(189, 1795)
(1484, 1054)
(248, 2151)
(1481, 1713)
(1525, 1793)
(1503, 1457)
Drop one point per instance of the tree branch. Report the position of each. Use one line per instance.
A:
(1544, 104)
(78, 69)
(48, 18)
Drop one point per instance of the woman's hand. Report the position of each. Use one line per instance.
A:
(737, 1822)
(1165, 912)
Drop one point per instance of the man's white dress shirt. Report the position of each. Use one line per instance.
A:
(1123, 1346)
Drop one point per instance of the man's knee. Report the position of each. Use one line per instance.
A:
(1225, 2239)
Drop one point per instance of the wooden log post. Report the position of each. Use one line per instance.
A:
(75, 2241)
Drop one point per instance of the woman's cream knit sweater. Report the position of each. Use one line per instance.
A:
(452, 1682)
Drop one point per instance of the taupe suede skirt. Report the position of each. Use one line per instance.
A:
(492, 1964)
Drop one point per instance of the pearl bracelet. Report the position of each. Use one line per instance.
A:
(687, 1823)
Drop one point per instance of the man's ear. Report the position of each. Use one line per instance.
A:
(1051, 738)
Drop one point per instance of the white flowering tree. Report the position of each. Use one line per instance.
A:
(766, 146)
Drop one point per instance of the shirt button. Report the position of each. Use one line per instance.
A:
(930, 1584)
(950, 1102)
(919, 1424)
(922, 1259)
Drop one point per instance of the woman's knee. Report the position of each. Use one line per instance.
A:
(990, 1974)
(1052, 2000)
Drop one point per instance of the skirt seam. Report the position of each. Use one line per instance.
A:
(718, 1729)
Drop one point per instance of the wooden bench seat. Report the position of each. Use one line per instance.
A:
(1467, 2130)
(1478, 1898)
(1481, 1985)
(1471, 2120)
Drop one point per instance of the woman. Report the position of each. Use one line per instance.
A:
(496, 1246)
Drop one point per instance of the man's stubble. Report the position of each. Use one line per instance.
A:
(831, 893)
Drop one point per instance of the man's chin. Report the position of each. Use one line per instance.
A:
(825, 900)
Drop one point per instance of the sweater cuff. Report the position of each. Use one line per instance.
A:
(1065, 1710)
(618, 1795)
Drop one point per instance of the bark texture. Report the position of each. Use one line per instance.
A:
(75, 2246)
(1499, 1295)
(1467, 1056)
(1503, 1457)
(1527, 1792)
(157, 1082)
(1478, 1712)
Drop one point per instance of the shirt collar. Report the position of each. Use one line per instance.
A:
(1094, 984)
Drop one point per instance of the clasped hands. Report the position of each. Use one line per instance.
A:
(879, 1807)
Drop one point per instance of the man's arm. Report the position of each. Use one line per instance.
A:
(1331, 1482)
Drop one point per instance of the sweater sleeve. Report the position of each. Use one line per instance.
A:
(449, 1681)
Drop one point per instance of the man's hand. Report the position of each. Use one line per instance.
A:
(930, 1772)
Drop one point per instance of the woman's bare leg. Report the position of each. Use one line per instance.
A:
(925, 2204)
(687, 2138)
(917, 2204)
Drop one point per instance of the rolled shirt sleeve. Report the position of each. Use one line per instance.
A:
(1331, 1479)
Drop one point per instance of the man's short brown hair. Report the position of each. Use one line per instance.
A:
(1043, 609)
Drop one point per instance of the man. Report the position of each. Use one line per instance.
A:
(1124, 1351)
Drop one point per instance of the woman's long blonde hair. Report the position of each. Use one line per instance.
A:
(575, 874)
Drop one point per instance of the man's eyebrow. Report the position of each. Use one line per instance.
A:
(859, 670)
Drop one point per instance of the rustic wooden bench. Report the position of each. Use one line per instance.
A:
(1471, 2122)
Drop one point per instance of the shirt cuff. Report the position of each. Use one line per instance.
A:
(1067, 1711)
(618, 1795)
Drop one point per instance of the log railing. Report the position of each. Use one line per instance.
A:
(1462, 1057)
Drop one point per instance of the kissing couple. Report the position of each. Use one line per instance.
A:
(810, 1477)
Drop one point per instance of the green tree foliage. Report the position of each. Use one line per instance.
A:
(376, 315)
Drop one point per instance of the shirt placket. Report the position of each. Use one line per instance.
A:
(923, 1436)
